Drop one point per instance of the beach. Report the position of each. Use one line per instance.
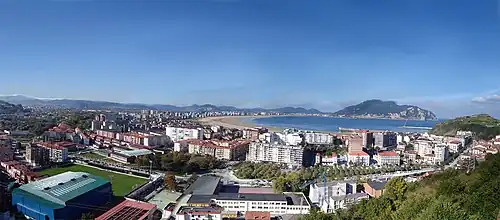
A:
(238, 122)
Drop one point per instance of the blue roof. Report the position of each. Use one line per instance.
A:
(59, 189)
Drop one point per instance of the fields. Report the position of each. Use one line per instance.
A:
(122, 184)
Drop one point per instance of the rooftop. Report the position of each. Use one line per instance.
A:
(135, 153)
(388, 154)
(204, 185)
(376, 184)
(61, 188)
(199, 210)
(257, 215)
(128, 209)
(362, 153)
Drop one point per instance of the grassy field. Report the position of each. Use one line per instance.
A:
(122, 184)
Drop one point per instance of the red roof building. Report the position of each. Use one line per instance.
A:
(253, 215)
(129, 209)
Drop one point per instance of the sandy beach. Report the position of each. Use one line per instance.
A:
(243, 122)
(238, 122)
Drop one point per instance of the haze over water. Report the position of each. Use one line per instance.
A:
(333, 124)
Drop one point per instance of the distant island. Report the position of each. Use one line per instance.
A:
(385, 109)
(482, 126)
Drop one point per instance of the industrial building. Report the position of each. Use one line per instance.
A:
(208, 200)
(64, 196)
(130, 209)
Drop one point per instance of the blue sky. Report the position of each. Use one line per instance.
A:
(443, 55)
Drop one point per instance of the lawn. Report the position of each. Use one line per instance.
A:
(122, 184)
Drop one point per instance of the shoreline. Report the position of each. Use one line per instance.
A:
(246, 122)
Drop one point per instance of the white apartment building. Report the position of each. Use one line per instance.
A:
(327, 160)
(222, 150)
(277, 153)
(454, 146)
(358, 158)
(440, 153)
(423, 147)
(56, 153)
(270, 137)
(388, 158)
(177, 134)
(335, 195)
(318, 138)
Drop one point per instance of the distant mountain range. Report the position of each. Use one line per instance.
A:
(386, 109)
(104, 105)
(371, 108)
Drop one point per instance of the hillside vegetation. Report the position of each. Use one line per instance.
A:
(483, 126)
(8, 108)
(448, 195)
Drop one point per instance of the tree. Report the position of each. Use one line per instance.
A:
(395, 189)
(170, 182)
(279, 185)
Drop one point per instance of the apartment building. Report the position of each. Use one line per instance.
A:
(277, 153)
(6, 154)
(149, 140)
(107, 134)
(440, 153)
(355, 145)
(339, 194)
(318, 138)
(326, 160)
(57, 153)
(384, 139)
(37, 155)
(177, 134)
(367, 139)
(358, 158)
(223, 150)
(388, 158)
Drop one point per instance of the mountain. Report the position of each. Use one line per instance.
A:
(386, 109)
(483, 126)
(8, 108)
(104, 105)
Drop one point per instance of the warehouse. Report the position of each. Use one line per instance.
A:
(64, 196)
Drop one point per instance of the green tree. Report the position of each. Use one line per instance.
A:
(395, 189)
(170, 182)
(442, 208)
(87, 216)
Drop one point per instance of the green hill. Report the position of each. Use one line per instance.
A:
(483, 126)
(8, 108)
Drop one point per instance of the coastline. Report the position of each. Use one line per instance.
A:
(238, 122)
(245, 122)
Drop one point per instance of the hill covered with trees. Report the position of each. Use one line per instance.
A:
(483, 126)
(449, 195)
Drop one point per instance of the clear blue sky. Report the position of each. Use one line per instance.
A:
(443, 55)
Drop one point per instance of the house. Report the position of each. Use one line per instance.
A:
(358, 158)
(375, 188)
(388, 157)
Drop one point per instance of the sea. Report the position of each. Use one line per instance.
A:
(317, 123)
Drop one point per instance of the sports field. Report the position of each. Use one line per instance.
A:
(122, 184)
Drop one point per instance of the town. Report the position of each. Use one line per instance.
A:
(169, 165)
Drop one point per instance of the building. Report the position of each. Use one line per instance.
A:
(37, 155)
(199, 213)
(327, 160)
(61, 132)
(235, 205)
(223, 150)
(6, 184)
(384, 139)
(277, 153)
(375, 188)
(19, 172)
(57, 153)
(129, 156)
(361, 158)
(251, 134)
(355, 145)
(367, 139)
(440, 153)
(64, 196)
(257, 215)
(177, 134)
(318, 138)
(130, 209)
(335, 195)
(388, 158)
